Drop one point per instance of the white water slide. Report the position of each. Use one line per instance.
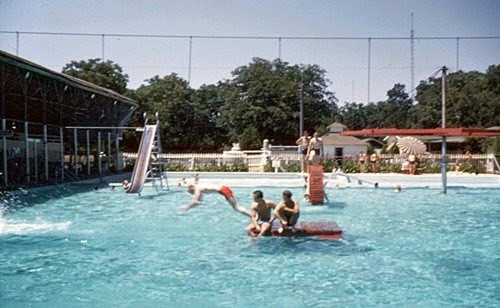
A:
(140, 172)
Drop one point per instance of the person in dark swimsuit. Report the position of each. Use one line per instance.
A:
(261, 215)
(287, 211)
(303, 143)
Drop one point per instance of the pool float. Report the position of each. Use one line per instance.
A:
(319, 229)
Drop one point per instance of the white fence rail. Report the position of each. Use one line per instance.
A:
(257, 160)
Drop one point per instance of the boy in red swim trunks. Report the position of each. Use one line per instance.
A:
(197, 190)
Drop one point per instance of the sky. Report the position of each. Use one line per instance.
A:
(226, 34)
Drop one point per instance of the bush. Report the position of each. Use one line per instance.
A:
(472, 167)
(238, 167)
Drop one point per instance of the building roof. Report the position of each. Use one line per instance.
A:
(35, 94)
(437, 132)
(340, 140)
(67, 79)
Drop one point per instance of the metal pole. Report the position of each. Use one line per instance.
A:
(279, 47)
(35, 157)
(190, 57)
(443, 125)
(61, 143)
(369, 66)
(412, 56)
(118, 164)
(4, 153)
(102, 47)
(27, 151)
(46, 152)
(301, 120)
(87, 135)
(99, 159)
(108, 158)
(75, 151)
(17, 43)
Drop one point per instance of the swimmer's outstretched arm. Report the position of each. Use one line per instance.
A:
(190, 205)
(196, 201)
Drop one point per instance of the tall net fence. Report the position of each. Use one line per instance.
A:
(360, 69)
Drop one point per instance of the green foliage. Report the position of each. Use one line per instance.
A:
(237, 167)
(472, 100)
(394, 112)
(265, 95)
(496, 146)
(250, 139)
(262, 101)
(176, 168)
(170, 97)
(106, 74)
(472, 167)
(291, 167)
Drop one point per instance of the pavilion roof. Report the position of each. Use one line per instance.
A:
(438, 132)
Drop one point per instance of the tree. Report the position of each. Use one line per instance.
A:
(353, 116)
(394, 112)
(265, 95)
(106, 74)
(170, 96)
(472, 100)
(207, 102)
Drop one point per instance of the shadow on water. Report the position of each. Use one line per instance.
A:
(306, 245)
(336, 205)
(27, 198)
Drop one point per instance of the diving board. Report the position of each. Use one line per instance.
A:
(322, 229)
(140, 172)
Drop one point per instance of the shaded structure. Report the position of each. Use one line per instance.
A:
(438, 132)
(56, 127)
(442, 132)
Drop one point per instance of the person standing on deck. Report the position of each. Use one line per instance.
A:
(315, 149)
(303, 143)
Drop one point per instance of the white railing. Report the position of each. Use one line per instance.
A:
(257, 160)
(253, 159)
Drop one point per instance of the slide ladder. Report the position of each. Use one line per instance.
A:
(156, 173)
(316, 188)
(142, 162)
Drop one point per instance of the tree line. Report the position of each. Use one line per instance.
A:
(263, 100)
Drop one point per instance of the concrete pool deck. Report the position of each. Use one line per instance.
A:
(361, 180)
(350, 180)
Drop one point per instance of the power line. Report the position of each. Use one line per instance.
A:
(252, 37)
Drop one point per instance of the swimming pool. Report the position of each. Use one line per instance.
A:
(75, 246)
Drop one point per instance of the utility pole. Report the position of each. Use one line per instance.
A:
(301, 98)
(412, 57)
(443, 125)
(369, 67)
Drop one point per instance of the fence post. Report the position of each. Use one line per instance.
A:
(191, 167)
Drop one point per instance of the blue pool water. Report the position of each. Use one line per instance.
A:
(80, 247)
